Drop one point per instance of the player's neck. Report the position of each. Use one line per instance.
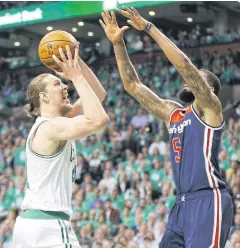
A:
(49, 112)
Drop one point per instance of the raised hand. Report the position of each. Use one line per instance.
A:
(70, 66)
(134, 17)
(111, 28)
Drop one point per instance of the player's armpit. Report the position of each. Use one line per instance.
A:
(160, 108)
(62, 128)
(204, 96)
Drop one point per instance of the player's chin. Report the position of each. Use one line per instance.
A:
(185, 95)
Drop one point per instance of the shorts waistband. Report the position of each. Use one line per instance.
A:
(198, 194)
(44, 215)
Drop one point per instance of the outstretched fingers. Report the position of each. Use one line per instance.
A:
(134, 11)
(129, 11)
(124, 13)
(108, 15)
(105, 19)
(62, 55)
(58, 62)
(75, 61)
(102, 24)
(69, 54)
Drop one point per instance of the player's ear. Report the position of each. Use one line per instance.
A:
(212, 89)
(44, 96)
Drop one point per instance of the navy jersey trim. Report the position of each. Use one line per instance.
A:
(182, 109)
(178, 104)
(205, 124)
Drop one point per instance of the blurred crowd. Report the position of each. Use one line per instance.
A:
(137, 42)
(191, 37)
(124, 189)
(156, 73)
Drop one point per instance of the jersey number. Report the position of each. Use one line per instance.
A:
(177, 149)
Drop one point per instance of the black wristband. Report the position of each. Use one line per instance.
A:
(149, 25)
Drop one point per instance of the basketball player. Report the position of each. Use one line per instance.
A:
(202, 215)
(51, 156)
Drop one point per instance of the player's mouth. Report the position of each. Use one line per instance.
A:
(65, 99)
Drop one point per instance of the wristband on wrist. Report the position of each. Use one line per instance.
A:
(149, 25)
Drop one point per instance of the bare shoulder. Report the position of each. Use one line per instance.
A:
(42, 143)
(172, 105)
(210, 116)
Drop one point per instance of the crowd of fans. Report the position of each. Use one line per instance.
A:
(196, 36)
(157, 74)
(124, 189)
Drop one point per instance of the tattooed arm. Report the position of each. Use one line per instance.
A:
(193, 78)
(204, 96)
(160, 108)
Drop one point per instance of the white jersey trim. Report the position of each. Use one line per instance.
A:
(205, 124)
(40, 155)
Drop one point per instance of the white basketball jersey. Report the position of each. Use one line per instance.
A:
(49, 178)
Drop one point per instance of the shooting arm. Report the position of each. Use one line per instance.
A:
(191, 75)
(93, 81)
(95, 85)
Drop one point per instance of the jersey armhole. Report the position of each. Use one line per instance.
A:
(178, 107)
(40, 155)
(205, 124)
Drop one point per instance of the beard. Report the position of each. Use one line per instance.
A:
(186, 96)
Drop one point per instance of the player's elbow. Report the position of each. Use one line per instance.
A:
(130, 87)
(103, 121)
(103, 97)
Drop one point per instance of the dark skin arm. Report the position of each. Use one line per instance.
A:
(205, 99)
(160, 108)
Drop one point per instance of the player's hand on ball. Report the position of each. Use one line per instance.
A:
(70, 66)
(111, 28)
(134, 17)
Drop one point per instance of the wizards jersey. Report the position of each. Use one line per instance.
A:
(194, 148)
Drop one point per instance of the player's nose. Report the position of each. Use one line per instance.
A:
(64, 86)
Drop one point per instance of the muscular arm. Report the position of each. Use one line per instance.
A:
(194, 80)
(160, 108)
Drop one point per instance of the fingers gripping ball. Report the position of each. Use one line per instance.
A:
(49, 46)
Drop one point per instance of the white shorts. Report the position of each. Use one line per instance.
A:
(43, 233)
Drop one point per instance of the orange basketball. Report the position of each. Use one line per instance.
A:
(49, 45)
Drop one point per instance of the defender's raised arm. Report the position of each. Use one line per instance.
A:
(192, 76)
(157, 106)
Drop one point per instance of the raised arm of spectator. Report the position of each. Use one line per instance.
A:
(160, 108)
